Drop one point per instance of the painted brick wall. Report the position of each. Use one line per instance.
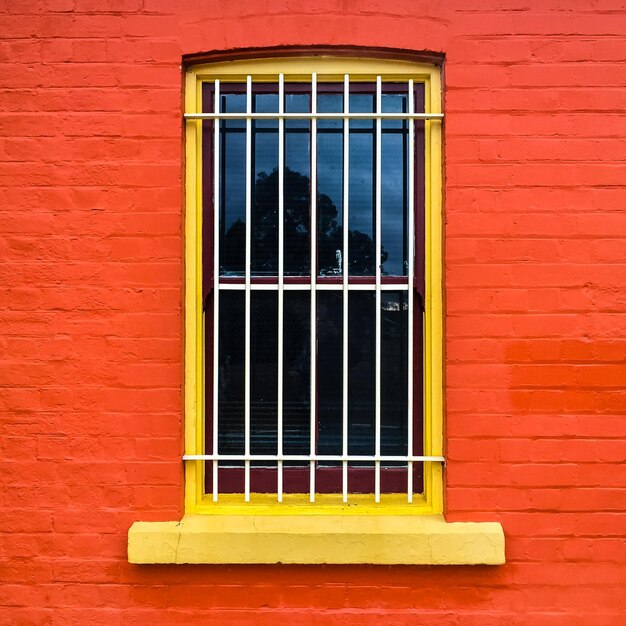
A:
(90, 315)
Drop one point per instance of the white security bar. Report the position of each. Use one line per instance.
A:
(319, 286)
(249, 175)
(346, 270)
(378, 219)
(281, 269)
(216, 274)
(317, 116)
(411, 254)
(314, 458)
(313, 322)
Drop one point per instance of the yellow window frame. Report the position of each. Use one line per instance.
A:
(327, 531)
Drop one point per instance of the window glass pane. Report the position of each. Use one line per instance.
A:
(231, 373)
(329, 371)
(394, 203)
(233, 103)
(329, 201)
(394, 375)
(265, 190)
(329, 103)
(361, 250)
(296, 372)
(361, 371)
(394, 103)
(263, 371)
(232, 210)
(362, 103)
(297, 103)
(394, 189)
(266, 103)
(361, 209)
(297, 191)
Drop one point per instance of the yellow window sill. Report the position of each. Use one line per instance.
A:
(317, 539)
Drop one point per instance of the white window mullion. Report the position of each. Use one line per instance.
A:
(345, 252)
(216, 280)
(378, 282)
(313, 322)
(249, 175)
(281, 269)
(411, 312)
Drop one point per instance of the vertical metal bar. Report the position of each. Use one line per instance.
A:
(281, 269)
(411, 272)
(345, 259)
(249, 175)
(378, 283)
(313, 322)
(216, 279)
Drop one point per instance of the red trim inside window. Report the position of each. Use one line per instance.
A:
(328, 478)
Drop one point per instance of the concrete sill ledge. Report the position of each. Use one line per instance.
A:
(332, 539)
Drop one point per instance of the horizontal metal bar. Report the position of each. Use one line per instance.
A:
(313, 116)
(310, 457)
(318, 287)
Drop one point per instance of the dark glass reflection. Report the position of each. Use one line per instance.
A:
(296, 381)
(394, 374)
(264, 252)
(263, 371)
(329, 371)
(297, 103)
(394, 204)
(394, 103)
(329, 201)
(330, 103)
(232, 210)
(231, 373)
(362, 103)
(264, 245)
(297, 191)
(361, 371)
(296, 372)
(362, 251)
(394, 187)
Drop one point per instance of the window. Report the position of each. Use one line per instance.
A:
(313, 307)
(313, 286)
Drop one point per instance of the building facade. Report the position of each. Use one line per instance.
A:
(94, 240)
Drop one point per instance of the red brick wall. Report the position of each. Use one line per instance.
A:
(90, 315)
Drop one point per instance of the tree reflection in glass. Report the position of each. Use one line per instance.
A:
(296, 229)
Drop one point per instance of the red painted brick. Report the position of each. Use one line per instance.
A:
(90, 279)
